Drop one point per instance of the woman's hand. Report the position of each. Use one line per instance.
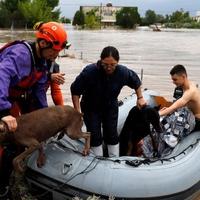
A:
(141, 102)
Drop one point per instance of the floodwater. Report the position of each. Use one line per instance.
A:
(154, 53)
(143, 50)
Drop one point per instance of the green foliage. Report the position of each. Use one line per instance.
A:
(27, 12)
(10, 5)
(160, 19)
(52, 3)
(37, 10)
(181, 19)
(92, 20)
(127, 17)
(183, 25)
(180, 16)
(55, 14)
(178, 19)
(79, 18)
(89, 20)
(65, 20)
(10, 14)
(5, 20)
(150, 17)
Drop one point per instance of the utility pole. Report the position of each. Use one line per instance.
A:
(100, 12)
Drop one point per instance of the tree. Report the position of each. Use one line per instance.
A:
(181, 19)
(10, 4)
(55, 12)
(127, 17)
(160, 19)
(10, 14)
(91, 19)
(180, 16)
(52, 3)
(150, 17)
(34, 11)
(5, 20)
(79, 18)
(65, 20)
(21, 12)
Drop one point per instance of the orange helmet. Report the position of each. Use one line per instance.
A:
(52, 32)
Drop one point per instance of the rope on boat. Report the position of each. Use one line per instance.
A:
(137, 162)
(148, 161)
(134, 163)
(84, 171)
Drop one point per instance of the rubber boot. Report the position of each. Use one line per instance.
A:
(113, 150)
(98, 151)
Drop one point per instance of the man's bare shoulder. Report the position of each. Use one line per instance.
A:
(191, 93)
(194, 91)
(194, 87)
(193, 84)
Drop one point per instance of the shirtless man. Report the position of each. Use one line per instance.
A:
(191, 94)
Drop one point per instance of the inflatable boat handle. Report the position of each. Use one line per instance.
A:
(136, 162)
(133, 163)
(66, 168)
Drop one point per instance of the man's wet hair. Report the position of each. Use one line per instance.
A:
(110, 51)
(178, 69)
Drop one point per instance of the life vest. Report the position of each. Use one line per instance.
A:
(21, 90)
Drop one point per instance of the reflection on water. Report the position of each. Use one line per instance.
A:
(154, 52)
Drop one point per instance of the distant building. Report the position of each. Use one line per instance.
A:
(106, 13)
(197, 17)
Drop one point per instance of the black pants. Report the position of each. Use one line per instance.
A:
(102, 125)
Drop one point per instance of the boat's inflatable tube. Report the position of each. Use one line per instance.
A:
(67, 173)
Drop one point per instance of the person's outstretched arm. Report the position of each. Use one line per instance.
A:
(177, 104)
(141, 102)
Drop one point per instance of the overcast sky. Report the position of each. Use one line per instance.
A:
(69, 7)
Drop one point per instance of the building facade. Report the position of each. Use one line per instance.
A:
(197, 17)
(107, 13)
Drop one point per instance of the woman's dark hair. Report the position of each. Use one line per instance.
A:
(110, 51)
(178, 69)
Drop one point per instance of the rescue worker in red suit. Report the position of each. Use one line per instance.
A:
(56, 78)
(23, 75)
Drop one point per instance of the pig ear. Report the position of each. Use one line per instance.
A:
(61, 135)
